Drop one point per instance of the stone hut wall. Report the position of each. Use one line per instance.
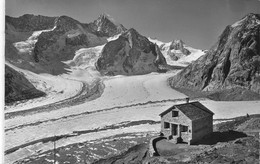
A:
(181, 119)
(201, 128)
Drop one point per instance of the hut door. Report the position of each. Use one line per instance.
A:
(174, 129)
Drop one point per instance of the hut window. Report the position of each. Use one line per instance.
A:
(184, 128)
(166, 125)
(175, 113)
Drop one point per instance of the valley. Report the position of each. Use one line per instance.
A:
(124, 99)
(106, 85)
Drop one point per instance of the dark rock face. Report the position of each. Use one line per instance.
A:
(105, 26)
(130, 54)
(17, 87)
(234, 61)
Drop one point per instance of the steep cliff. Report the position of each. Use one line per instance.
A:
(232, 64)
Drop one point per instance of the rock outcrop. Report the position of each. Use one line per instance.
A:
(179, 45)
(130, 54)
(233, 62)
(176, 50)
(17, 87)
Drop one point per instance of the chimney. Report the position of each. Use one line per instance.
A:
(187, 100)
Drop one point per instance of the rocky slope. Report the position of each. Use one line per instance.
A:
(40, 43)
(17, 87)
(130, 54)
(232, 64)
(235, 141)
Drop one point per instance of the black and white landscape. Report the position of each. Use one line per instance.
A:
(78, 92)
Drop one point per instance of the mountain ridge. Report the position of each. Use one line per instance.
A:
(233, 62)
(55, 40)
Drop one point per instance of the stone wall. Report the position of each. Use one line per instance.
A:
(201, 128)
(152, 146)
(181, 119)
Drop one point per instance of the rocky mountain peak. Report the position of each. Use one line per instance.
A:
(66, 23)
(233, 62)
(130, 54)
(179, 45)
(132, 34)
(248, 21)
(106, 26)
(135, 39)
(105, 17)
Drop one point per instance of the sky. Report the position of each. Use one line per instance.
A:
(197, 22)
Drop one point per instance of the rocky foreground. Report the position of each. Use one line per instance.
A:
(233, 141)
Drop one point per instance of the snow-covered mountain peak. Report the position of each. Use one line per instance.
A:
(177, 45)
(176, 52)
(178, 41)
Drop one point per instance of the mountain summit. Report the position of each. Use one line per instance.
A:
(106, 26)
(130, 54)
(179, 45)
(233, 62)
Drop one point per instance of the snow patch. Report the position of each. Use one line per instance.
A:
(113, 37)
(238, 23)
(28, 45)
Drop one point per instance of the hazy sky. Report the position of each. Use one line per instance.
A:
(196, 22)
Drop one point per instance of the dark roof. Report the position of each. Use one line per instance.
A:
(193, 110)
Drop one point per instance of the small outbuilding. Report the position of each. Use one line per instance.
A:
(188, 122)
